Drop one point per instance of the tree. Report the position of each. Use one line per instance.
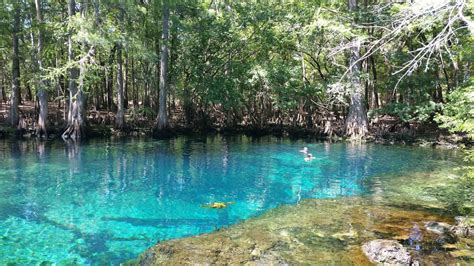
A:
(226, 64)
(14, 117)
(356, 122)
(41, 125)
(162, 119)
(75, 119)
(120, 117)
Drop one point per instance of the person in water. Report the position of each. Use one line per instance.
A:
(304, 150)
(309, 157)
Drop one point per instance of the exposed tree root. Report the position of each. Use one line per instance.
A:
(74, 131)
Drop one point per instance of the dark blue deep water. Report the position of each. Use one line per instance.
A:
(107, 201)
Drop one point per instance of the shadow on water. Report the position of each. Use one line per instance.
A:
(221, 221)
(30, 211)
(164, 223)
(88, 247)
(91, 246)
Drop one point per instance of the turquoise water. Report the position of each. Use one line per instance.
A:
(107, 201)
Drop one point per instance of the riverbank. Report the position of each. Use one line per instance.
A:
(382, 129)
(382, 134)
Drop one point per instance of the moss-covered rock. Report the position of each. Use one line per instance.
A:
(313, 232)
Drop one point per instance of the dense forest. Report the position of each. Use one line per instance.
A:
(334, 67)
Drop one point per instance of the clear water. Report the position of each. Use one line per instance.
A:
(107, 201)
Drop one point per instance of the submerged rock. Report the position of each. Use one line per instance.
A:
(443, 230)
(464, 227)
(332, 231)
(386, 252)
(438, 228)
(315, 232)
(217, 205)
(458, 238)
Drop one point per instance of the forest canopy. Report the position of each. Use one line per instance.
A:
(334, 67)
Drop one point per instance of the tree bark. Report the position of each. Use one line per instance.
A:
(119, 119)
(2, 89)
(356, 125)
(109, 83)
(75, 121)
(15, 97)
(162, 119)
(133, 85)
(126, 94)
(29, 94)
(375, 95)
(146, 93)
(41, 125)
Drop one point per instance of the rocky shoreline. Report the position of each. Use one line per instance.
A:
(358, 231)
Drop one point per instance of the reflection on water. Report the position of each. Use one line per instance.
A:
(110, 200)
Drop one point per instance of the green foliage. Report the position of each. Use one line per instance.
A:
(407, 112)
(458, 113)
(142, 112)
(257, 59)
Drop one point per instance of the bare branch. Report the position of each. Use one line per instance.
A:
(420, 14)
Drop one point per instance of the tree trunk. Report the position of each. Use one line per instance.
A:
(15, 97)
(146, 94)
(41, 125)
(109, 83)
(133, 85)
(29, 94)
(356, 122)
(2, 89)
(162, 119)
(98, 96)
(75, 120)
(375, 95)
(125, 82)
(187, 105)
(119, 119)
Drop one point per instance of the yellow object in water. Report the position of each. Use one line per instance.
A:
(217, 205)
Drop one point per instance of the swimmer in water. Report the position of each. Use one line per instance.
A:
(309, 157)
(304, 150)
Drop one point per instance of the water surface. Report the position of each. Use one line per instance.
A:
(107, 201)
